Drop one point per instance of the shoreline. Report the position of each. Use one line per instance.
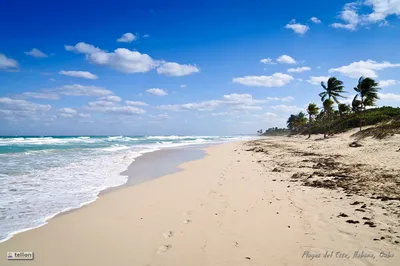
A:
(232, 207)
(194, 152)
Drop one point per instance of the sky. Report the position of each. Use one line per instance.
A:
(183, 67)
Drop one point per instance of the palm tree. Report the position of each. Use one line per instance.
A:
(327, 113)
(332, 89)
(291, 123)
(312, 110)
(367, 90)
(356, 104)
(343, 109)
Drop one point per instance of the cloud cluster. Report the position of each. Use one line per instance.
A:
(127, 37)
(8, 64)
(299, 69)
(70, 113)
(318, 80)
(36, 53)
(275, 80)
(315, 20)
(177, 70)
(78, 74)
(297, 27)
(267, 61)
(127, 61)
(157, 92)
(353, 19)
(387, 83)
(367, 68)
(234, 102)
(112, 107)
(285, 59)
(81, 90)
(137, 103)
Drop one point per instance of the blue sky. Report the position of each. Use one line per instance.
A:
(156, 67)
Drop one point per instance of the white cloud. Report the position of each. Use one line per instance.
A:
(146, 36)
(285, 59)
(276, 80)
(127, 37)
(83, 48)
(299, 69)
(7, 63)
(41, 95)
(389, 96)
(247, 108)
(350, 17)
(297, 27)
(80, 90)
(183, 86)
(269, 114)
(136, 103)
(318, 80)
(387, 83)
(381, 9)
(221, 114)
(287, 108)
(123, 110)
(235, 102)
(128, 61)
(201, 106)
(78, 74)
(102, 104)
(363, 68)
(177, 70)
(157, 92)
(121, 59)
(21, 105)
(315, 20)
(267, 61)
(111, 98)
(160, 116)
(285, 99)
(36, 53)
(68, 112)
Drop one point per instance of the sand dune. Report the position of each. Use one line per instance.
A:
(245, 203)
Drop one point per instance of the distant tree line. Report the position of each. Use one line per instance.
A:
(334, 116)
(274, 131)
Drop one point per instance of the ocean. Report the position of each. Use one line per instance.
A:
(41, 177)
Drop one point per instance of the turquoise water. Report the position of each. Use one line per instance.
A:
(43, 176)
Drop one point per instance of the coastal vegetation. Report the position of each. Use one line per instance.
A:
(274, 131)
(334, 116)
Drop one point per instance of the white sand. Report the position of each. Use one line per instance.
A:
(228, 208)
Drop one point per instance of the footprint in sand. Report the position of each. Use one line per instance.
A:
(168, 234)
(163, 248)
(187, 221)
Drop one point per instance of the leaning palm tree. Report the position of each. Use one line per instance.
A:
(291, 123)
(327, 114)
(356, 105)
(332, 90)
(312, 110)
(343, 109)
(367, 90)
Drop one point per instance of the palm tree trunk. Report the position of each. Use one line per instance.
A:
(362, 108)
(309, 126)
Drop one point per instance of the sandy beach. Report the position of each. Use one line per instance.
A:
(273, 201)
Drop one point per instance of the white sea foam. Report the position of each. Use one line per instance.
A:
(56, 179)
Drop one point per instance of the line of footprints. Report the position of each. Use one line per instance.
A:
(169, 234)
